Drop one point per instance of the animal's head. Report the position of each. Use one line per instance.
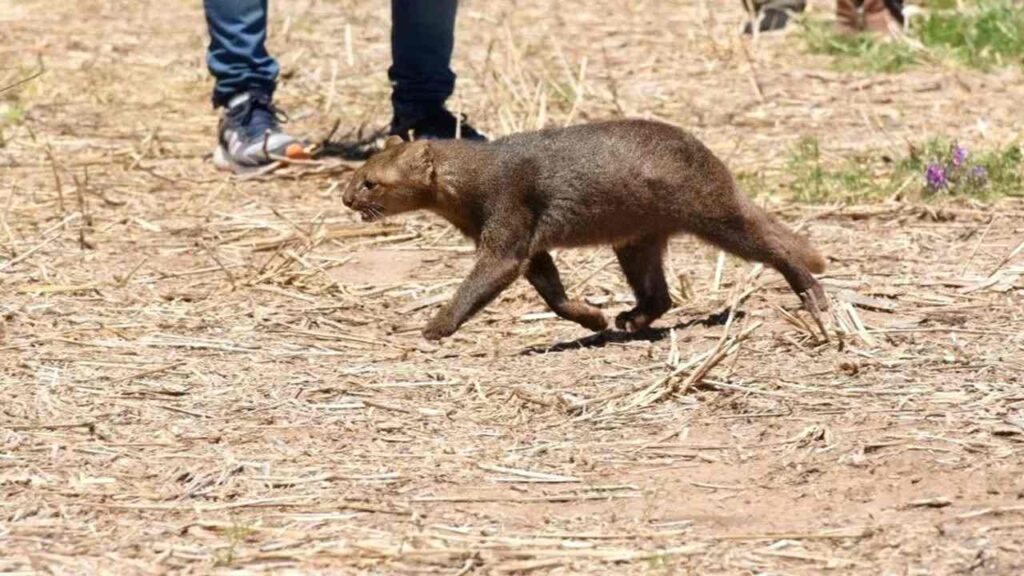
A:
(397, 179)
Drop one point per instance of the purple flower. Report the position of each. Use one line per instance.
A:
(935, 176)
(979, 175)
(958, 155)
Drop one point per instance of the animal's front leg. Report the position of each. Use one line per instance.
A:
(543, 274)
(490, 275)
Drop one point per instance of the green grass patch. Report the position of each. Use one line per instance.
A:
(814, 180)
(860, 51)
(934, 169)
(985, 34)
(11, 114)
(236, 535)
(13, 98)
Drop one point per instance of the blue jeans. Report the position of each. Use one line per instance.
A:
(422, 38)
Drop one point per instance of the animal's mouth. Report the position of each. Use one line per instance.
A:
(371, 212)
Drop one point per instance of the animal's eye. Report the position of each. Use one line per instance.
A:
(369, 184)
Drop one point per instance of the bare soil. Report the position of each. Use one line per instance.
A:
(202, 373)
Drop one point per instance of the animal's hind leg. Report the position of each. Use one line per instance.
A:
(641, 260)
(543, 275)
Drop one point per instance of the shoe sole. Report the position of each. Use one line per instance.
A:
(222, 161)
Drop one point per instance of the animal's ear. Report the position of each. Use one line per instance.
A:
(423, 154)
(392, 141)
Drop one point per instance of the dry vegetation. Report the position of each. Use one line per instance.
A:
(200, 373)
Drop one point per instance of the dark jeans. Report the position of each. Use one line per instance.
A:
(422, 38)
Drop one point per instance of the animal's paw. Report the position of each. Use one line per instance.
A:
(632, 321)
(436, 331)
(815, 302)
(814, 299)
(585, 315)
(596, 322)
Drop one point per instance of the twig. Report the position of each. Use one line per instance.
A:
(529, 474)
(144, 373)
(755, 82)
(56, 178)
(213, 254)
(977, 245)
(67, 220)
(1007, 258)
(24, 80)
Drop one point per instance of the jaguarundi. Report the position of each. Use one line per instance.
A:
(628, 183)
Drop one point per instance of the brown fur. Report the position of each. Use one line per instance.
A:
(628, 183)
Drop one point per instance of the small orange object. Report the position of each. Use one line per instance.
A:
(296, 151)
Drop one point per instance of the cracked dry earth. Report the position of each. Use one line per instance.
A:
(207, 374)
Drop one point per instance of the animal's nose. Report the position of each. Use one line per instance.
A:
(348, 198)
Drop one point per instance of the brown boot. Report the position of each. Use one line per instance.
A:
(876, 16)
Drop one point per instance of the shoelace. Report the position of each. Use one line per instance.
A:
(259, 115)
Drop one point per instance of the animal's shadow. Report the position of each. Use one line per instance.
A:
(355, 146)
(602, 339)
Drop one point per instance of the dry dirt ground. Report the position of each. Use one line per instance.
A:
(207, 374)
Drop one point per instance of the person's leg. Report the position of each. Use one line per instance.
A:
(422, 39)
(884, 17)
(237, 55)
(852, 16)
(249, 135)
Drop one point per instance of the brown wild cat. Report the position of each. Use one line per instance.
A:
(629, 183)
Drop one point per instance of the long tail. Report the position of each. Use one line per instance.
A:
(798, 245)
(738, 225)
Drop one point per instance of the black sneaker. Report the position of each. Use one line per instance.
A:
(441, 125)
(250, 136)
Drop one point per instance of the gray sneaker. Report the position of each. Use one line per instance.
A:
(771, 15)
(250, 136)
